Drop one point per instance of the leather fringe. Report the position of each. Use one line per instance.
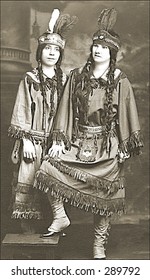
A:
(18, 133)
(59, 136)
(23, 209)
(96, 205)
(133, 144)
(18, 214)
(108, 187)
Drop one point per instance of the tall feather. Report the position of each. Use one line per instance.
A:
(107, 19)
(54, 16)
(64, 24)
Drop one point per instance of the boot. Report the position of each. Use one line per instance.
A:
(60, 219)
(101, 227)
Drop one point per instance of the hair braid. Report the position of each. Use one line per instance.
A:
(41, 78)
(43, 90)
(87, 69)
(84, 87)
(59, 74)
(108, 106)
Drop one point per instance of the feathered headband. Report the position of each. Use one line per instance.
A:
(106, 21)
(57, 29)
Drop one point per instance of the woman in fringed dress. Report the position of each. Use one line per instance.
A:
(96, 130)
(36, 104)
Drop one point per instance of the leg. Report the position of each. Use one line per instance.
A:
(60, 219)
(101, 227)
(26, 201)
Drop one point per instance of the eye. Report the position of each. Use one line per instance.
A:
(47, 47)
(104, 47)
(57, 49)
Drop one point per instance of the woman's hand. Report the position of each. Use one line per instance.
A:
(56, 149)
(29, 153)
(122, 156)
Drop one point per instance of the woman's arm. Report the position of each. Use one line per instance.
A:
(129, 127)
(21, 123)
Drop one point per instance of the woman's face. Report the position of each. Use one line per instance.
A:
(100, 53)
(50, 55)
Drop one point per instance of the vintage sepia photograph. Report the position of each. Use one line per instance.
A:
(75, 130)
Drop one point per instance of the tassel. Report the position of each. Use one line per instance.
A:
(76, 127)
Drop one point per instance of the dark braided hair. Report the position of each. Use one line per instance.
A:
(108, 106)
(82, 91)
(84, 79)
(49, 82)
(59, 72)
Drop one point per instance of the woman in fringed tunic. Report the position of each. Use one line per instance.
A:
(36, 104)
(97, 123)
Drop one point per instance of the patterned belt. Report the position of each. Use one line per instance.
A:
(92, 129)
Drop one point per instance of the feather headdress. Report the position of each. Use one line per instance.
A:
(55, 15)
(105, 34)
(107, 19)
(64, 24)
(57, 28)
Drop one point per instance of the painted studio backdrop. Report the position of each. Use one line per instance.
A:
(21, 23)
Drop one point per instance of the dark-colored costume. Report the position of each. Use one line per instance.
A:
(27, 122)
(89, 175)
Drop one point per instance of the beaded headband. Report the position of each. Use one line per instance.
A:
(104, 34)
(57, 29)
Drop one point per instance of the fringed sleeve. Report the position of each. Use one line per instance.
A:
(59, 136)
(22, 116)
(131, 140)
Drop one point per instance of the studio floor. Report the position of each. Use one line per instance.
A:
(126, 241)
(128, 238)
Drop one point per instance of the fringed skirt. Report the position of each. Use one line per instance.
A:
(97, 186)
